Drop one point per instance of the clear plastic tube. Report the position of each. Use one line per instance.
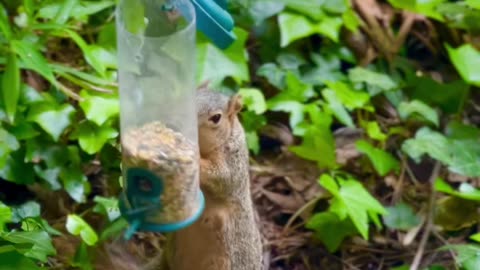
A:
(158, 121)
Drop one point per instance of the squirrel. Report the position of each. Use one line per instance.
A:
(226, 236)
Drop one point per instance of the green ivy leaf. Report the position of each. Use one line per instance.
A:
(52, 118)
(274, 74)
(92, 137)
(382, 161)
(8, 144)
(461, 155)
(253, 100)
(429, 142)
(337, 108)
(295, 109)
(401, 217)
(424, 7)
(327, 69)
(294, 27)
(318, 145)
(351, 99)
(107, 206)
(473, 3)
(79, 10)
(12, 260)
(29, 209)
(330, 229)
(65, 11)
(465, 190)
(35, 244)
(377, 82)
(75, 182)
(417, 107)
(16, 170)
(214, 64)
(354, 200)
(33, 59)
(11, 86)
(468, 256)
(475, 237)
(374, 131)
(5, 215)
(77, 226)
(4, 23)
(99, 109)
(465, 58)
(253, 141)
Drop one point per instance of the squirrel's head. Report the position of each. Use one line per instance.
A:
(216, 115)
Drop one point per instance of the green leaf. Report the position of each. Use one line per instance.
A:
(326, 69)
(461, 155)
(26, 210)
(465, 58)
(35, 244)
(33, 59)
(468, 256)
(382, 161)
(274, 74)
(429, 142)
(114, 229)
(253, 99)
(318, 145)
(52, 118)
(354, 200)
(294, 27)
(79, 10)
(108, 206)
(417, 107)
(4, 23)
(473, 3)
(77, 226)
(295, 90)
(378, 82)
(13, 260)
(11, 86)
(337, 108)
(75, 182)
(65, 11)
(351, 99)
(424, 7)
(16, 170)
(5, 215)
(92, 137)
(475, 237)
(293, 107)
(253, 141)
(8, 144)
(465, 191)
(99, 109)
(330, 229)
(374, 131)
(215, 64)
(401, 217)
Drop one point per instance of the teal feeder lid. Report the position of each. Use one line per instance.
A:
(215, 22)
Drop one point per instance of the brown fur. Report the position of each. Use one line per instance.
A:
(226, 236)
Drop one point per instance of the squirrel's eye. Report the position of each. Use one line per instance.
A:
(216, 118)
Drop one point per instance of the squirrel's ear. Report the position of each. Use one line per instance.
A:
(235, 104)
(203, 85)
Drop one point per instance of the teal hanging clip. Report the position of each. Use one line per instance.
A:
(215, 22)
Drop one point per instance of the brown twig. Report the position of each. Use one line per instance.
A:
(429, 224)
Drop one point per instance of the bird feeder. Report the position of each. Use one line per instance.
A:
(156, 43)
